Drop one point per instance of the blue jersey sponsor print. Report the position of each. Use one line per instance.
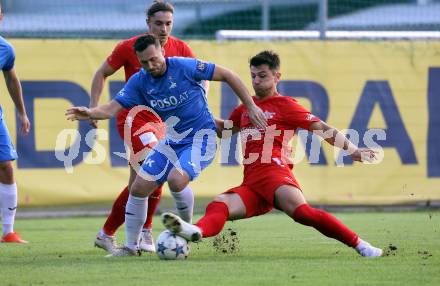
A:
(177, 94)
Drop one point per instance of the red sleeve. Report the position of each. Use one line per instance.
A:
(117, 58)
(297, 116)
(236, 116)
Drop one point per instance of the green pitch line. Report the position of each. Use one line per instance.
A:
(268, 250)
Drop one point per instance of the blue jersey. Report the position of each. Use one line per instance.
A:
(179, 92)
(7, 55)
(7, 59)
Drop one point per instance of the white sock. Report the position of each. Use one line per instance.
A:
(135, 216)
(362, 244)
(8, 204)
(102, 233)
(184, 201)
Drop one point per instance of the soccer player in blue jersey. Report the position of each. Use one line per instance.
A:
(8, 188)
(173, 89)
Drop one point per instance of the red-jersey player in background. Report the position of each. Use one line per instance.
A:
(160, 23)
(268, 180)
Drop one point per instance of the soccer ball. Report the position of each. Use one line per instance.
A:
(171, 247)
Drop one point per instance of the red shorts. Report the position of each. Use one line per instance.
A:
(149, 133)
(259, 185)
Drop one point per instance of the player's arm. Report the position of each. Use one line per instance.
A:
(220, 127)
(256, 115)
(104, 71)
(100, 112)
(14, 88)
(334, 137)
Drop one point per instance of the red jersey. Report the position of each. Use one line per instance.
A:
(124, 55)
(284, 115)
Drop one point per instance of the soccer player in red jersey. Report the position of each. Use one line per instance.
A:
(160, 23)
(268, 179)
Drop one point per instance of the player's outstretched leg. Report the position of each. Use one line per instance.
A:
(180, 227)
(291, 200)
(332, 227)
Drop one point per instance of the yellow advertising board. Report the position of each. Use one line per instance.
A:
(390, 86)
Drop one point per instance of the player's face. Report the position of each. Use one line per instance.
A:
(152, 60)
(264, 80)
(161, 25)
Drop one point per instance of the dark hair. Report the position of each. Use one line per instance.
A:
(144, 42)
(269, 58)
(159, 6)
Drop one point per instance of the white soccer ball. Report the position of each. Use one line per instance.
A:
(171, 247)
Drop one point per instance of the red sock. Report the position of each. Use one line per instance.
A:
(325, 223)
(215, 217)
(153, 202)
(117, 216)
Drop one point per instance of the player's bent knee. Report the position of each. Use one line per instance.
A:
(236, 207)
(6, 172)
(142, 188)
(177, 181)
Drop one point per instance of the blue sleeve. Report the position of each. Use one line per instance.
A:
(9, 60)
(130, 95)
(198, 69)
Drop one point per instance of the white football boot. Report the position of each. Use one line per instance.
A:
(106, 242)
(181, 228)
(146, 242)
(367, 250)
(124, 251)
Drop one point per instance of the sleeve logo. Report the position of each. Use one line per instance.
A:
(201, 66)
(310, 117)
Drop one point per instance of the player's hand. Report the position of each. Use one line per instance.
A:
(364, 155)
(25, 124)
(93, 123)
(256, 115)
(78, 113)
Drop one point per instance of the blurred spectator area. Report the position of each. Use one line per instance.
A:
(200, 19)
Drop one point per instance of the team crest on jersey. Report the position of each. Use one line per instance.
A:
(269, 115)
(201, 66)
(173, 85)
(310, 117)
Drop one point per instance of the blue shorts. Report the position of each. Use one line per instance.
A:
(7, 150)
(191, 157)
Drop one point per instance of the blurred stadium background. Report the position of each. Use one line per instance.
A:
(200, 19)
(387, 78)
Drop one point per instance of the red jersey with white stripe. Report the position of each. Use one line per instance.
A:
(284, 116)
(124, 55)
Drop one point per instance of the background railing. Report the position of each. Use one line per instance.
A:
(201, 19)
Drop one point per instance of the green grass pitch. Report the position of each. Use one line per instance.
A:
(273, 250)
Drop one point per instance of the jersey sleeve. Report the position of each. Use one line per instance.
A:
(9, 60)
(298, 116)
(116, 59)
(197, 69)
(235, 116)
(130, 94)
